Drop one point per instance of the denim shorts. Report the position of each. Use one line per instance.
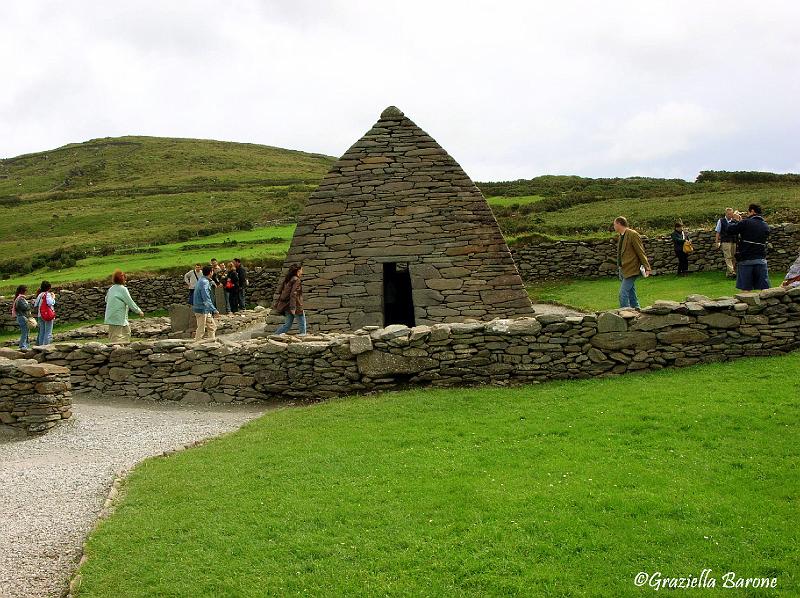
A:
(752, 276)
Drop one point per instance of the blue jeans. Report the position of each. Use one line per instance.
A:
(23, 332)
(627, 291)
(287, 325)
(752, 274)
(45, 335)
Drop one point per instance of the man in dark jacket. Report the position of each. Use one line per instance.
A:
(241, 272)
(751, 257)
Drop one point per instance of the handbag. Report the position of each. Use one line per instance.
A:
(47, 313)
(229, 284)
(687, 246)
(32, 323)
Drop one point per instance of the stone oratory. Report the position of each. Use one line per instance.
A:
(397, 233)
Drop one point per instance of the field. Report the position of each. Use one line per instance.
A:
(77, 212)
(599, 294)
(266, 245)
(560, 489)
(115, 194)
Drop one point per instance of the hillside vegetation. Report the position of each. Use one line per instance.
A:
(112, 194)
(76, 212)
(571, 206)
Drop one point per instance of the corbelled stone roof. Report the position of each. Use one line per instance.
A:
(397, 196)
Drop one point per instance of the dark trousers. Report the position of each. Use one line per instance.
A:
(233, 299)
(683, 261)
(242, 303)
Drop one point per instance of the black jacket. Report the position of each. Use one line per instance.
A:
(241, 272)
(234, 278)
(753, 233)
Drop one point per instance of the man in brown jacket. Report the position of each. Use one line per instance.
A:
(630, 258)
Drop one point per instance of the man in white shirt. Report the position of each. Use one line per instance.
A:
(727, 242)
(191, 278)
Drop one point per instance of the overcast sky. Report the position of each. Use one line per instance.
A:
(510, 89)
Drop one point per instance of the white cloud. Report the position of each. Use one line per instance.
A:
(662, 132)
(511, 89)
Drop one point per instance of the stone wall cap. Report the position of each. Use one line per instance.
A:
(40, 370)
(392, 113)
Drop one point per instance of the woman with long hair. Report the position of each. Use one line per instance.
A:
(45, 313)
(21, 310)
(118, 302)
(290, 301)
(679, 238)
(232, 289)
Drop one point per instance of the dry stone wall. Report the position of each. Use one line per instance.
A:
(34, 397)
(595, 259)
(501, 351)
(78, 303)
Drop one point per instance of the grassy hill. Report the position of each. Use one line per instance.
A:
(110, 194)
(150, 204)
(578, 207)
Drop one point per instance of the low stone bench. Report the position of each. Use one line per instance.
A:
(34, 397)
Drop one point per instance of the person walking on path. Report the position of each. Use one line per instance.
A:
(679, 238)
(203, 308)
(232, 289)
(752, 233)
(290, 301)
(118, 302)
(21, 310)
(631, 262)
(727, 242)
(45, 313)
(241, 272)
(191, 278)
(792, 278)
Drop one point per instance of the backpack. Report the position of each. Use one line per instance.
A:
(46, 312)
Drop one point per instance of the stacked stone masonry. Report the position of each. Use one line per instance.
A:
(397, 199)
(78, 303)
(594, 259)
(500, 352)
(34, 397)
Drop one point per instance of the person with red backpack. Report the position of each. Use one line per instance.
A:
(44, 304)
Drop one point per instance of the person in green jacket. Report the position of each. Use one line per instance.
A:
(118, 302)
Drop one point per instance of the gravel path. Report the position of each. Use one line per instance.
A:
(53, 487)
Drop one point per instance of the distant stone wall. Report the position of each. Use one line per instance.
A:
(510, 351)
(594, 259)
(34, 397)
(78, 303)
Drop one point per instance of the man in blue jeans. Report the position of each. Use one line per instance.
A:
(630, 259)
(752, 271)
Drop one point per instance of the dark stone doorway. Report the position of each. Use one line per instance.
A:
(398, 305)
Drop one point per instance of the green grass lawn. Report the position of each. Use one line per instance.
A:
(561, 489)
(602, 293)
(249, 245)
